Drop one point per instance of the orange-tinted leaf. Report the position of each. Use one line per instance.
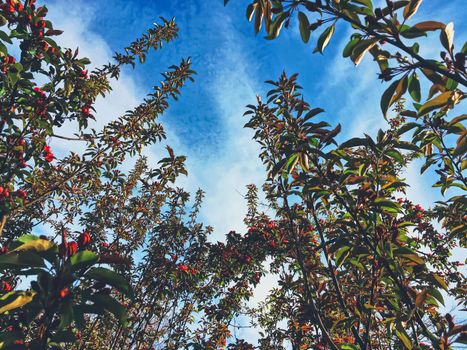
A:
(430, 25)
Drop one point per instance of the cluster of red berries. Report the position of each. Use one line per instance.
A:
(186, 269)
(7, 64)
(10, 7)
(70, 248)
(48, 155)
(41, 103)
(4, 192)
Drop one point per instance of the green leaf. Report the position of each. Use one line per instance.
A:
(66, 315)
(20, 260)
(407, 127)
(110, 304)
(461, 147)
(435, 103)
(324, 39)
(387, 97)
(278, 167)
(411, 8)
(404, 338)
(387, 205)
(341, 255)
(276, 25)
(361, 49)
(451, 85)
(83, 259)
(436, 294)
(414, 87)
(250, 10)
(396, 155)
(291, 162)
(349, 47)
(4, 37)
(356, 141)
(367, 3)
(407, 146)
(304, 25)
(111, 278)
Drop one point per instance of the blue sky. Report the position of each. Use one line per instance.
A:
(215, 37)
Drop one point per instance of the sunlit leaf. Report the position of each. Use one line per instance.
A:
(361, 49)
(20, 299)
(447, 36)
(411, 8)
(324, 39)
(435, 103)
(37, 245)
(83, 259)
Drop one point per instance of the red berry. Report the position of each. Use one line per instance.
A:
(39, 90)
(71, 248)
(22, 193)
(49, 157)
(85, 110)
(84, 239)
(182, 267)
(64, 292)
